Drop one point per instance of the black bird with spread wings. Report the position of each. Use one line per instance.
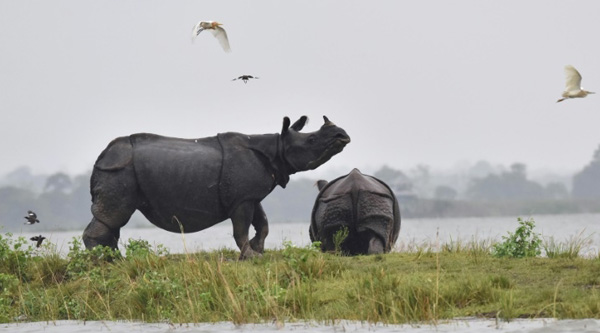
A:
(39, 239)
(31, 218)
(245, 78)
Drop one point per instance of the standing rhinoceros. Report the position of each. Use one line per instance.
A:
(187, 185)
(363, 204)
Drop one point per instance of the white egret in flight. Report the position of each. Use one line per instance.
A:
(573, 85)
(217, 31)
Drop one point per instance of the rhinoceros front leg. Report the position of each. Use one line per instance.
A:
(98, 233)
(114, 201)
(242, 218)
(261, 226)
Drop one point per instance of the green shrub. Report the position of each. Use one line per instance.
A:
(8, 285)
(140, 248)
(137, 248)
(339, 237)
(306, 261)
(523, 243)
(14, 255)
(83, 261)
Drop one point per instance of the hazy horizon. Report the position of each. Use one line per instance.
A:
(435, 83)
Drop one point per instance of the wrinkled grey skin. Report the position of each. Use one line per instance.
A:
(187, 185)
(363, 204)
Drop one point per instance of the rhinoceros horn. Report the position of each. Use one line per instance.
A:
(327, 122)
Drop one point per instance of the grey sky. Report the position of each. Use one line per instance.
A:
(432, 82)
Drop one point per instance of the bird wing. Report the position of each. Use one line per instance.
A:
(221, 35)
(573, 82)
(197, 30)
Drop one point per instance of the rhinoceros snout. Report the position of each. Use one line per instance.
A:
(343, 137)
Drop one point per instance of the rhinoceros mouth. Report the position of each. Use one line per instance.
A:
(334, 148)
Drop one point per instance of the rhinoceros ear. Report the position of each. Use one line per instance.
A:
(327, 121)
(321, 183)
(286, 125)
(299, 124)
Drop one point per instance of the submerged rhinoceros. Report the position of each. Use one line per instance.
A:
(187, 185)
(363, 204)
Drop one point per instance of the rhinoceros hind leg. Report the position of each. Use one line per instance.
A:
(261, 226)
(375, 246)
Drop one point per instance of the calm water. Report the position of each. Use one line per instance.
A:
(460, 326)
(413, 232)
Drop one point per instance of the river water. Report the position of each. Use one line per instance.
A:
(457, 326)
(414, 232)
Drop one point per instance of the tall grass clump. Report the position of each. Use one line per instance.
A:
(474, 248)
(524, 242)
(569, 249)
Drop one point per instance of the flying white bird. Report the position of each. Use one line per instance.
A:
(217, 31)
(573, 85)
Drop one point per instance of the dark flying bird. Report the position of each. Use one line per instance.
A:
(39, 239)
(31, 218)
(245, 78)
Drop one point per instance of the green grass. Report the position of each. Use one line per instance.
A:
(571, 248)
(419, 284)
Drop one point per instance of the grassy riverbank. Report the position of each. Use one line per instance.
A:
(417, 284)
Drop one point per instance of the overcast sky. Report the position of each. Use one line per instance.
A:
(412, 82)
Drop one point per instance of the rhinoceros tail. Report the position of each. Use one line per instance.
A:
(116, 156)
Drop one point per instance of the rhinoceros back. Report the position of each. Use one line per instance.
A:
(179, 180)
(248, 173)
(359, 202)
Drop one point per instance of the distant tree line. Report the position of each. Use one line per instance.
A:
(513, 185)
(63, 202)
(586, 183)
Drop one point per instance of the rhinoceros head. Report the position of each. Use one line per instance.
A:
(307, 151)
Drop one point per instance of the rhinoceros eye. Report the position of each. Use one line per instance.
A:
(311, 139)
